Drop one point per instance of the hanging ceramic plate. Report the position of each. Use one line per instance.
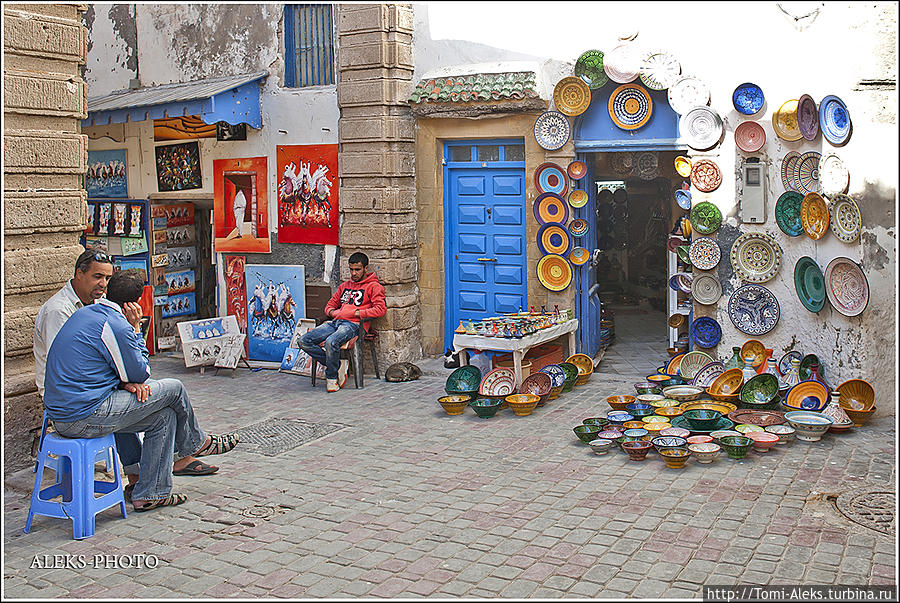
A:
(845, 219)
(706, 176)
(706, 218)
(630, 106)
(748, 99)
(648, 165)
(808, 171)
(659, 70)
(755, 257)
(784, 364)
(787, 213)
(749, 136)
(576, 170)
(550, 208)
(706, 333)
(807, 117)
(693, 361)
(683, 198)
(706, 289)
(551, 130)
(784, 121)
(673, 243)
(809, 283)
(589, 67)
(579, 227)
(550, 178)
(701, 127)
(578, 198)
(554, 238)
(846, 286)
(687, 93)
(834, 119)
(787, 169)
(705, 253)
(833, 175)
(623, 163)
(753, 310)
(814, 216)
(707, 373)
(622, 64)
(683, 166)
(578, 256)
(498, 382)
(571, 96)
(554, 272)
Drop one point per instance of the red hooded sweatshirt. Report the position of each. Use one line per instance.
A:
(367, 296)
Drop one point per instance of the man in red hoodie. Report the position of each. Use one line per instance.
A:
(360, 298)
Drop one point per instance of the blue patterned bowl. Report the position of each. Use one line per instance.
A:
(748, 99)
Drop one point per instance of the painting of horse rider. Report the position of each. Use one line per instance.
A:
(106, 175)
(307, 193)
(276, 297)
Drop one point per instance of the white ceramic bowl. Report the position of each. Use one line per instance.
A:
(785, 433)
(809, 426)
(705, 453)
(600, 445)
(683, 393)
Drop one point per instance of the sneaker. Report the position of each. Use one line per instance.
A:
(342, 373)
(331, 385)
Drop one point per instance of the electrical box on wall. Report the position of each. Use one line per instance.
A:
(753, 197)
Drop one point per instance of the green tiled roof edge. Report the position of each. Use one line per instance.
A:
(476, 87)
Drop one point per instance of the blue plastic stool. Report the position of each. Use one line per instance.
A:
(75, 482)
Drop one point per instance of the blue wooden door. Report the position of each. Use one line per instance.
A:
(485, 239)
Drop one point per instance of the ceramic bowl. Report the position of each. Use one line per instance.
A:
(538, 384)
(664, 403)
(736, 446)
(633, 435)
(586, 433)
(760, 392)
(633, 424)
(608, 434)
(727, 384)
(582, 362)
(655, 419)
(857, 394)
(637, 450)
(859, 417)
(664, 379)
(809, 426)
(555, 392)
(464, 380)
(645, 387)
(640, 413)
(571, 375)
(598, 421)
(785, 433)
(455, 404)
(678, 432)
(722, 407)
(669, 411)
(763, 440)
(600, 445)
(675, 458)
(732, 399)
(620, 402)
(806, 395)
(637, 406)
(522, 404)
(649, 398)
(841, 427)
(705, 452)
(747, 428)
(683, 393)
(700, 439)
(724, 433)
(702, 419)
(657, 427)
(619, 417)
(485, 407)
(666, 442)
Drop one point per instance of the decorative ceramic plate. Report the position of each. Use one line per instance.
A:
(550, 208)
(788, 165)
(706, 332)
(755, 351)
(571, 96)
(683, 166)
(755, 257)
(630, 106)
(589, 67)
(834, 178)
(846, 286)
(784, 121)
(763, 418)
(705, 253)
(578, 256)
(648, 165)
(578, 227)
(702, 127)
(807, 117)
(807, 169)
(552, 130)
(659, 70)
(682, 422)
(687, 93)
(706, 176)
(749, 136)
(706, 289)
(834, 120)
(806, 362)
(578, 198)
(576, 170)
(498, 382)
(623, 162)
(622, 64)
(784, 364)
(674, 363)
(554, 238)
(845, 219)
(683, 281)
(753, 310)
(809, 283)
(706, 218)
(554, 272)
(692, 362)
(683, 198)
(748, 99)
(814, 216)
(707, 373)
(556, 374)
(674, 243)
(550, 178)
(787, 213)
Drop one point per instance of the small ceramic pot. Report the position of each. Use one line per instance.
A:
(600, 445)
(598, 421)
(702, 419)
(785, 433)
(645, 387)
(809, 426)
(736, 446)
(455, 404)
(699, 439)
(763, 440)
(705, 452)
(678, 432)
(586, 433)
(675, 458)
(637, 450)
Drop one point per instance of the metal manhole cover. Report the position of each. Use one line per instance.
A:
(261, 512)
(274, 436)
(873, 507)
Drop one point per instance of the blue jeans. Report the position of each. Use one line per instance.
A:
(129, 448)
(168, 423)
(334, 333)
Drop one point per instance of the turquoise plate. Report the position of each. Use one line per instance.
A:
(787, 213)
(681, 421)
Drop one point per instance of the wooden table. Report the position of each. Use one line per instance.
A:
(518, 346)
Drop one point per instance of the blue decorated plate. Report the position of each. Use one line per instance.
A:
(683, 198)
(753, 309)
(706, 332)
(834, 120)
(748, 99)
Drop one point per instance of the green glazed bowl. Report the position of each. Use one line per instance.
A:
(464, 380)
(571, 375)
(760, 392)
(702, 419)
(598, 421)
(485, 407)
(736, 446)
(586, 433)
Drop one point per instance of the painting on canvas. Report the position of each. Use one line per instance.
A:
(106, 174)
(307, 193)
(240, 205)
(178, 167)
(275, 300)
(302, 362)
(202, 341)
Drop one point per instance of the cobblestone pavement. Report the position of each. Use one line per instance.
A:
(406, 501)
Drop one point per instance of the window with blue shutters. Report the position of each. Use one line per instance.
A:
(308, 45)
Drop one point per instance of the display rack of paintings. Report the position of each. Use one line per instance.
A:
(119, 228)
(295, 360)
(307, 193)
(173, 259)
(203, 341)
(276, 297)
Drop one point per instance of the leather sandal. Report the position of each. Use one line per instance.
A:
(170, 501)
(219, 444)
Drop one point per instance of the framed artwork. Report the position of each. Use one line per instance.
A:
(118, 226)
(231, 352)
(178, 167)
(96, 243)
(180, 282)
(135, 220)
(91, 222)
(160, 236)
(307, 193)
(235, 292)
(104, 211)
(132, 246)
(182, 128)
(137, 264)
(179, 214)
(160, 259)
(240, 206)
(146, 302)
(275, 299)
(179, 305)
(160, 284)
(181, 257)
(202, 341)
(301, 362)
(180, 236)
(159, 223)
(106, 175)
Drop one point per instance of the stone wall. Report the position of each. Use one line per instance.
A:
(377, 138)
(44, 100)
